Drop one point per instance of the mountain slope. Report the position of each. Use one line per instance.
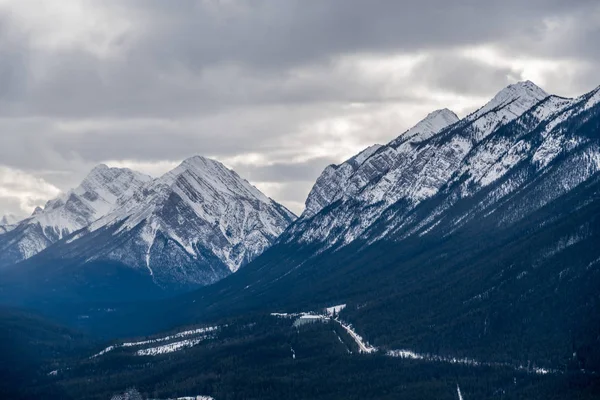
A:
(30, 347)
(96, 196)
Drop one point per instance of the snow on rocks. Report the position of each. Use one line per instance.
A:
(349, 198)
(201, 217)
(371, 196)
(97, 195)
(426, 128)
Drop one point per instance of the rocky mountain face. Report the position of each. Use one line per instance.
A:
(192, 226)
(347, 199)
(96, 196)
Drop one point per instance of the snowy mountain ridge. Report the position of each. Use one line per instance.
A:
(427, 127)
(347, 200)
(376, 160)
(228, 215)
(97, 195)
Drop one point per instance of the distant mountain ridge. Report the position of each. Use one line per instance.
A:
(96, 196)
(8, 222)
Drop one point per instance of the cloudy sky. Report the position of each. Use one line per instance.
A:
(276, 90)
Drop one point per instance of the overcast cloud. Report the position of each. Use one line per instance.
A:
(276, 90)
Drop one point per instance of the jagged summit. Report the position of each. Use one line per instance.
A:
(99, 168)
(515, 98)
(8, 222)
(427, 127)
(198, 162)
(100, 190)
(214, 176)
(192, 226)
(351, 177)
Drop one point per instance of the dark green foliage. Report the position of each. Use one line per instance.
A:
(31, 347)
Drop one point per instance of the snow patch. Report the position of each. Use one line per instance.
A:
(334, 310)
(169, 348)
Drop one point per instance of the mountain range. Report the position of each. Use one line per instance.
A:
(467, 246)
(495, 213)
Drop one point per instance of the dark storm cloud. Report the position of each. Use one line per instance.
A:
(201, 56)
(151, 80)
(284, 33)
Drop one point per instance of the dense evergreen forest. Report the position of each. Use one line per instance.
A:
(259, 357)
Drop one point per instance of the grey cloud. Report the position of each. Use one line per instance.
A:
(10, 205)
(269, 33)
(202, 56)
(459, 74)
(224, 78)
(286, 172)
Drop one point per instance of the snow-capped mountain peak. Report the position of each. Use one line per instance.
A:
(193, 225)
(213, 175)
(426, 128)
(507, 105)
(8, 222)
(97, 195)
(351, 177)
(516, 98)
